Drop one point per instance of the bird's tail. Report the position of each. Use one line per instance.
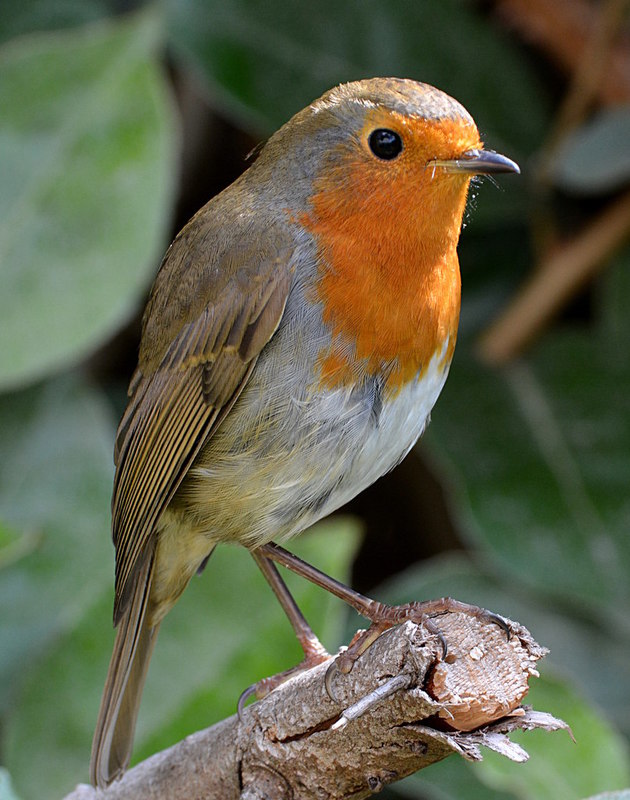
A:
(135, 639)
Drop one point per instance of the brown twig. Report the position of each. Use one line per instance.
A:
(297, 745)
(584, 40)
(563, 28)
(558, 279)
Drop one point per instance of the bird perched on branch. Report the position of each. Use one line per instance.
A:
(298, 333)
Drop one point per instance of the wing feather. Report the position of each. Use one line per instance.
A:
(176, 407)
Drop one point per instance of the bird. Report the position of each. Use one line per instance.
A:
(296, 338)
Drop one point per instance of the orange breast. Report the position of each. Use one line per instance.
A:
(388, 270)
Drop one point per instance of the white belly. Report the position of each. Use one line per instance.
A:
(382, 445)
(309, 457)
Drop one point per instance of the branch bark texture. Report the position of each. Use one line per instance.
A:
(298, 744)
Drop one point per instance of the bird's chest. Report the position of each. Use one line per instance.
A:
(375, 432)
(398, 420)
(311, 452)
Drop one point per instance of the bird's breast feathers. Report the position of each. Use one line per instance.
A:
(299, 453)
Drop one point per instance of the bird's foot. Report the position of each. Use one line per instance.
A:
(384, 617)
(314, 654)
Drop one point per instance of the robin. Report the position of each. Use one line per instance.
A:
(298, 333)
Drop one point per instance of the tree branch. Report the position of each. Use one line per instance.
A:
(298, 743)
(554, 282)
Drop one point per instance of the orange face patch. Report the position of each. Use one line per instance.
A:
(387, 233)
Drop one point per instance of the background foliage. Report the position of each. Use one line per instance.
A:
(117, 123)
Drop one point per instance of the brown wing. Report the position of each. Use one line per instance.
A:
(176, 405)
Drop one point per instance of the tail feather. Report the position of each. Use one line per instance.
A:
(135, 639)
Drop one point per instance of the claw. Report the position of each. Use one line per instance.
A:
(501, 622)
(242, 700)
(433, 629)
(342, 665)
(443, 642)
(331, 674)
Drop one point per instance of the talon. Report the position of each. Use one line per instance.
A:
(242, 700)
(444, 643)
(501, 622)
(342, 665)
(431, 627)
(331, 673)
(345, 662)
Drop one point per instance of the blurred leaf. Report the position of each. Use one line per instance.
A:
(6, 788)
(450, 779)
(488, 281)
(268, 60)
(87, 152)
(60, 692)
(15, 545)
(540, 455)
(597, 761)
(596, 157)
(226, 632)
(29, 16)
(55, 479)
(613, 296)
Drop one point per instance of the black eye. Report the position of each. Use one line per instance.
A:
(385, 144)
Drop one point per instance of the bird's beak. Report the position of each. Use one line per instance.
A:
(478, 162)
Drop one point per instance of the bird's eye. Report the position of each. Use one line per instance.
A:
(385, 144)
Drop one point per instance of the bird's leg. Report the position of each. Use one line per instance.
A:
(381, 616)
(314, 652)
(309, 643)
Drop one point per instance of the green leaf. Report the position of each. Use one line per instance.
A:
(226, 632)
(450, 779)
(558, 767)
(265, 61)
(14, 545)
(596, 158)
(613, 296)
(29, 16)
(540, 456)
(86, 152)
(55, 481)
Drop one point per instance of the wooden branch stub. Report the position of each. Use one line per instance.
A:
(475, 689)
(295, 745)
